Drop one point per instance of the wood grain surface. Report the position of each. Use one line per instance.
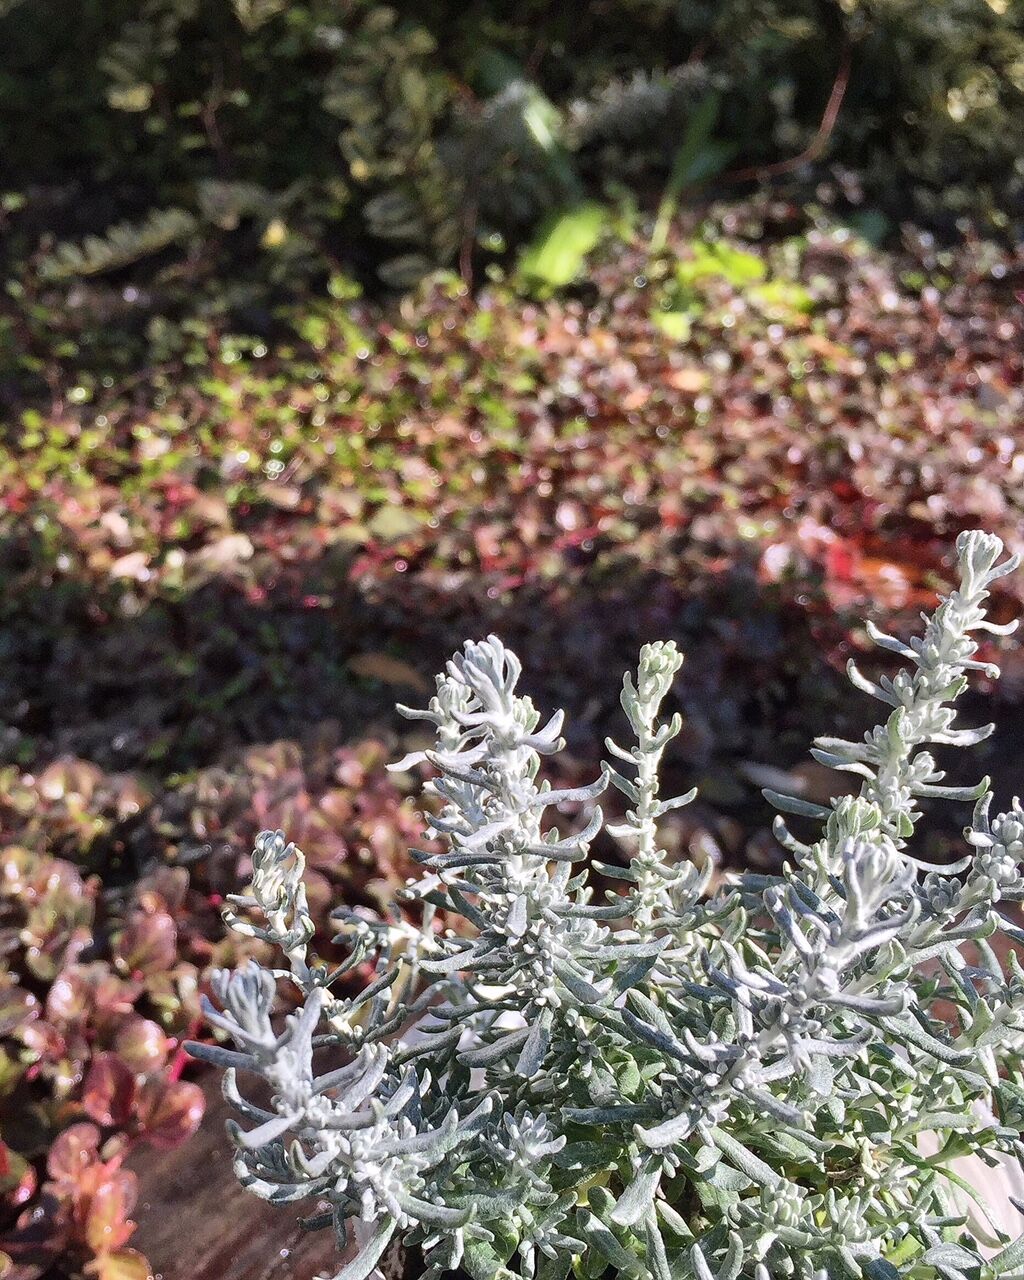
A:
(197, 1223)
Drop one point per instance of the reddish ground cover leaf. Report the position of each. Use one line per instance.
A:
(169, 1111)
(109, 1092)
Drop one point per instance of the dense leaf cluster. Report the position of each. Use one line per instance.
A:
(774, 420)
(100, 979)
(92, 1016)
(776, 1079)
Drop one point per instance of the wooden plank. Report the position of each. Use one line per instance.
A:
(197, 1223)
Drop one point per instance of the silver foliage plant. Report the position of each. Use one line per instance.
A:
(776, 1078)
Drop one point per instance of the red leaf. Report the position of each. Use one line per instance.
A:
(109, 1092)
(73, 1151)
(123, 1264)
(147, 944)
(170, 1111)
(841, 560)
(17, 1178)
(17, 1007)
(68, 998)
(39, 1234)
(141, 1044)
(107, 1226)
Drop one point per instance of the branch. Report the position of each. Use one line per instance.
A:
(817, 144)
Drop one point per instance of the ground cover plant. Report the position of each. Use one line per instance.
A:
(105, 952)
(91, 1059)
(771, 414)
(538, 1082)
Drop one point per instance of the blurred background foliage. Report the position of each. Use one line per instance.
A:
(218, 155)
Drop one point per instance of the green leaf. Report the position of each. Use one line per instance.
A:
(638, 1196)
(721, 1187)
(484, 1262)
(627, 1075)
(370, 1254)
(674, 324)
(489, 1250)
(561, 246)
(676, 1224)
(657, 1259)
(879, 1269)
(603, 1241)
(393, 522)
(950, 1258)
(781, 299)
(586, 1155)
(697, 159)
(744, 1159)
(719, 260)
(556, 1268)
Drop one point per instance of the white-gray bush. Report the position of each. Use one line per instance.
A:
(775, 1079)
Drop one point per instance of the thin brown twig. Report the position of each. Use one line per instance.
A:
(817, 144)
(466, 246)
(211, 127)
